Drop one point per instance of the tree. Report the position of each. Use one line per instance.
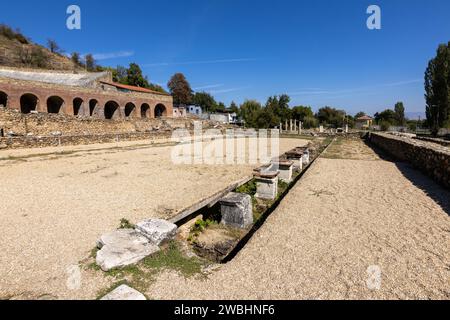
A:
(265, 118)
(249, 112)
(388, 116)
(331, 116)
(120, 75)
(180, 89)
(360, 115)
(399, 110)
(90, 62)
(54, 47)
(279, 107)
(234, 108)
(205, 101)
(301, 112)
(437, 89)
(75, 57)
(135, 76)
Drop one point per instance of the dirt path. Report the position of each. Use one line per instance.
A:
(344, 216)
(54, 207)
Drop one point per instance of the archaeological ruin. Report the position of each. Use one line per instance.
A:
(79, 94)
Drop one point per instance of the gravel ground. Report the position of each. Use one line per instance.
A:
(54, 207)
(343, 217)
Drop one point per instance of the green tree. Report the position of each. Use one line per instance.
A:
(437, 89)
(331, 116)
(265, 119)
(310, 122)
(180, 89)
(360, 114)
(301, 112)
(249, 112)
(205, 101)
(279, 108)
(90, 63)
(135, 76)
(388, 116)
(399, 110)
(76, 59)
(234, 108)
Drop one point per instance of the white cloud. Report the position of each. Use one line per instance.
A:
(210, 86)
(228, 90)
(165, 64)
(113, 55)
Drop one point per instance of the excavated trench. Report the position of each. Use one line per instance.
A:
(221, 244)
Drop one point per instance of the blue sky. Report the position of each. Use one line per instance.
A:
(319, 52)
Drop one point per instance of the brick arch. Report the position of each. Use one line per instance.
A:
(146, 110)
(55, 104)
(77, 106)
(3, 99)
(112, 110)
(130, 110)
(160, 111)
(29, 102)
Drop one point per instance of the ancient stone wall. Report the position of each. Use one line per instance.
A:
(431, 158)
(42, 129)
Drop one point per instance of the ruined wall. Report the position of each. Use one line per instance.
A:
(142, 105)
(42, 129)
(431, 158)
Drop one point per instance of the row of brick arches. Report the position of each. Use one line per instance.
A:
(79, 107)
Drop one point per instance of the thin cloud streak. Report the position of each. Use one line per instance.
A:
(228, 90)
(166, 64)
(211, 86)
(356, 90)
(113, 55)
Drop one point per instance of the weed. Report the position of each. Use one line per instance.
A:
(125, 224)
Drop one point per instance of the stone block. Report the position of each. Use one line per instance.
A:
(266, 185)
(123, 247)
(157, 231)
(285, 168)
(237, 210)
(124, 293)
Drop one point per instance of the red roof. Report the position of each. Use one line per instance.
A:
(364, 118)
(132, 88)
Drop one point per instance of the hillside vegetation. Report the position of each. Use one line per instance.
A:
(18, 51)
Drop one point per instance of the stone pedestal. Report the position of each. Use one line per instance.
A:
(297, 159)
(285, 168)
(266, 185)
(237, 210)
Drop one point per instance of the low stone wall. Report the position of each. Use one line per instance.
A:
(54, 141)
(431, 158)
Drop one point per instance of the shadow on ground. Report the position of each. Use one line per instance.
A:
(435, 191)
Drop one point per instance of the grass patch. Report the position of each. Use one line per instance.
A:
(248, 188)
(172, 258)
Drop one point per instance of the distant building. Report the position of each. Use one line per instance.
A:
(364, 122)
(195, 110)
(179, 112)
(227, 117)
